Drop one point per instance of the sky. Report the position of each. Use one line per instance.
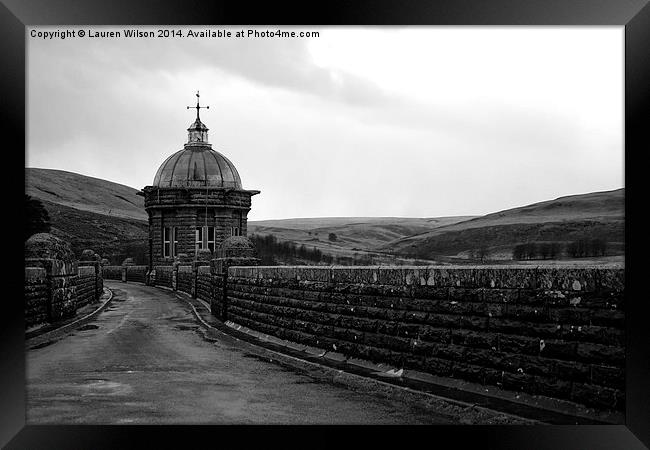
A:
(359, 121)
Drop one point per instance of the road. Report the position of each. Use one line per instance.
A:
(144, 360)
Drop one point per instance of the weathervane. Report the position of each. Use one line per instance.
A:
(197, 106)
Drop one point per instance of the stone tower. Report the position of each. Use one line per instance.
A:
(196, 200)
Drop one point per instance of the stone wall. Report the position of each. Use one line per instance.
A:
(135, 273)
(218, 303)
(557, 332)
(204, 284)
(61, 286)
(36, 296)
(163, 276)
(554, 332)
(112, 272)
(85, 283)
(126, 273)
(56, 285)
(216, 197)
(184, 279)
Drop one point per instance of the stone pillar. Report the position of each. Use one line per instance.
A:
(202, 259)
(57, 259)
(125, 264)
(92, 259)
(234, 251)
(220, 269)
(219, 297)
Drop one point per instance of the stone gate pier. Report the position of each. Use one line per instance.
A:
(56, 283)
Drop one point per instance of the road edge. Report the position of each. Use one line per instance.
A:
(49, 335)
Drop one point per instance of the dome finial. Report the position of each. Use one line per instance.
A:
(198, 132)
(197, 106)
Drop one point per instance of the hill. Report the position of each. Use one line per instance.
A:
(84, 193)
(349, 236)
(88, 212)
(114, 238)
(598, 215)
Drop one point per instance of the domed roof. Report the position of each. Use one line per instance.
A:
(197, 166)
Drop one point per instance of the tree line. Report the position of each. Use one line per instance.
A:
(272, 251)
(581, 248)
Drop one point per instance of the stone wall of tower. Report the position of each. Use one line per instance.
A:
(184, 220)
(166, 197)
(155, 234)
(222, 224)
(186, 209)
(244, 223)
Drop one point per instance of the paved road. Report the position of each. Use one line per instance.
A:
(144, 361)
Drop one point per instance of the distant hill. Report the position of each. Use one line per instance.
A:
(110, 219)
(312, 223)
(351, 235)
(114, 238)
(597, 215)
(84, 193)
(92, 213)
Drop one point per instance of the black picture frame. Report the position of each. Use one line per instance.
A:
(634, 15)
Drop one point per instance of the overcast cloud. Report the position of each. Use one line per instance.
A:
(413, 122)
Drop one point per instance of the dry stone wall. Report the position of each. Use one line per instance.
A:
(554, 332)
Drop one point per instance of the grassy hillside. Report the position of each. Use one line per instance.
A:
(353, 235)
(106, 217)
(84, 193)
(598, 215)
(114, 238)
(316, 223)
